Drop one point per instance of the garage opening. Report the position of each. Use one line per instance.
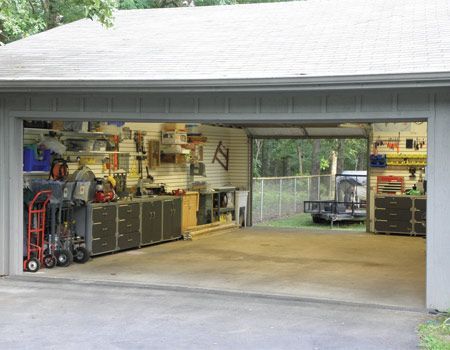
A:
(310, 183)
(176, 204)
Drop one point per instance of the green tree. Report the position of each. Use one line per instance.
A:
(21, 18)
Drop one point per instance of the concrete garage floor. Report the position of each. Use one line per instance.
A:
(338, 266)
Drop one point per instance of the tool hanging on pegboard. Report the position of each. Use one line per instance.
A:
(225, 152)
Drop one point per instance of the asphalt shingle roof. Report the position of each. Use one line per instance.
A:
(274, 40)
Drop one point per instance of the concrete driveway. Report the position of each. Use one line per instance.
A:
(342, 266)
(61, 315)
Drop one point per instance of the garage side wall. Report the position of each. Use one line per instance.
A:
(11, 236)
(438, 237)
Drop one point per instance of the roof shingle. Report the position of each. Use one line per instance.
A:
(273, 40)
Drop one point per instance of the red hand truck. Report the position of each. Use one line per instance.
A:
(36, 231)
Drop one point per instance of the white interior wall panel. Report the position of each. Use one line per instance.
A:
(176, 176)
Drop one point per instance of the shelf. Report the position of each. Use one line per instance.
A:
(68, 133)
(31, 173)
(225, 210)
(93, 153)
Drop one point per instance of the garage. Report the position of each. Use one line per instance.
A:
(228, 111)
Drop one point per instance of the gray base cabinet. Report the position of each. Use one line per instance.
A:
(111, 227)
(171, 219)
(151, 222)
(400, 214)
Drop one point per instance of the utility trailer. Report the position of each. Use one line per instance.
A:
(349, 204)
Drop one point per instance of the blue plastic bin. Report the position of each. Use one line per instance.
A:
(34, 162)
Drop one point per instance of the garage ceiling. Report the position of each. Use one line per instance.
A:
(346, 130)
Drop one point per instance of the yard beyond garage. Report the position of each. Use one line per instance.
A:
(342, 266)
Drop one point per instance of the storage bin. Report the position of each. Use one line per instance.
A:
(32, 161)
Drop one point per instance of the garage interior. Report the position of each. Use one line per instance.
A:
(183, 194)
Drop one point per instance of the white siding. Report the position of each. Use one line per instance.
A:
(177, 176)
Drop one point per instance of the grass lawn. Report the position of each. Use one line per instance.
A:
(305, 220)
(435, 334)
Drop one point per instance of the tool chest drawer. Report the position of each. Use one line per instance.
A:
(420, 204)
(128, 226)
(104, 229)
(104, 214)
(129, 240)
(391, 202)
(131, 210)
(393, 214)
(420, 227)
(393, 226)
(103, 245)
(420, 215)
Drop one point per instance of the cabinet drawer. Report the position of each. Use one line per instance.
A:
(393, 202)
(103, 230)
(104, 214)
(129, 240)
(420, 204)
(131, 210)
(393, 226)
(128, 226)
(103, 245)
(420, 227)
(393, 214)
(420, 215)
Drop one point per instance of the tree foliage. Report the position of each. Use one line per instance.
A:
(21, 18)
(288, 157)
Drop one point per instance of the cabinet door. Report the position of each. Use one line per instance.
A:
(151, 222)
(168, 210)
(176, 223)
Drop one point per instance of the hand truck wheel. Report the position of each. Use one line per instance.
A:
(33, 265)
(63, 257)
(80, 255)
(49, 261)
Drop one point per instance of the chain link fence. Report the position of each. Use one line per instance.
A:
(276, 197)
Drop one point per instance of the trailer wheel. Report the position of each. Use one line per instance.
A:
(63, 257)
(49, 261)
(33, 265)
(81, 255)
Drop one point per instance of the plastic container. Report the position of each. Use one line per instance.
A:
(32, 161)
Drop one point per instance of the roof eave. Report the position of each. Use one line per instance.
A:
(300, 83)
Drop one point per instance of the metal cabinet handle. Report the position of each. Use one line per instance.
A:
(121, 220)
(104, 229)
(105, 213)
(130, 240)
(95, 239)
(104, 244)
(129, 225)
